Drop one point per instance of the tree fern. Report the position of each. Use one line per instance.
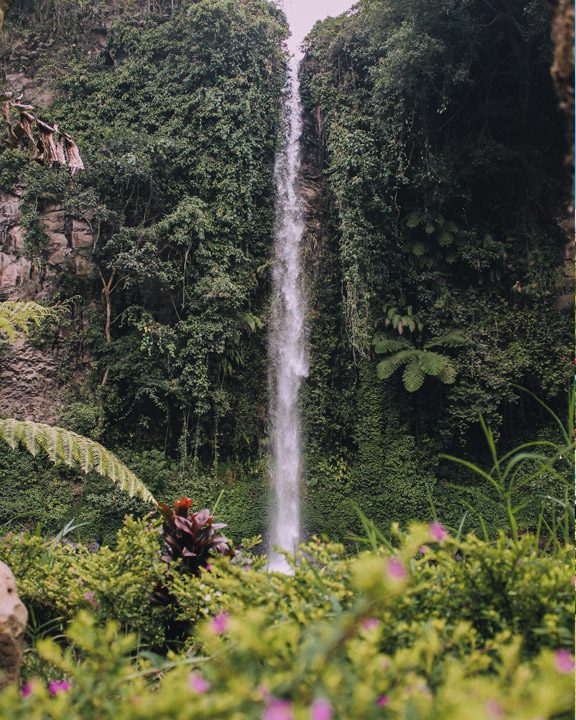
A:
(73, 450)
(420, 361)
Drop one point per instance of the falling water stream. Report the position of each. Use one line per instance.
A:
(287, 340)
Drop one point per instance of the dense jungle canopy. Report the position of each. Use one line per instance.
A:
(436, 192)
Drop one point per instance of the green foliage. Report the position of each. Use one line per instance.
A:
(58, 579)
(436, 132)
(418, 362)
(190, 538)
(175, 109)
(426, 624)
(69, 448)
(22, 316)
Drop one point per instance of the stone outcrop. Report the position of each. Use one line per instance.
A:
(69, 243)
(13, 619)
(30, 386)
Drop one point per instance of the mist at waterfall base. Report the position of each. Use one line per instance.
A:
(287, 340)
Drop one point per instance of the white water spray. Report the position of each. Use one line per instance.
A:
(287, 341)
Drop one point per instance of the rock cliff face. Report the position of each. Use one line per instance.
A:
(29, 379)
(69, 242)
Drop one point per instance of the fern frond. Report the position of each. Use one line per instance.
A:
(432, 363)
(386, 345)
(413, 376)
(73, 450)
(21, 316)
(448, 374)
(386, 367)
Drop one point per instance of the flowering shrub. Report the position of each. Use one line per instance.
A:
(428, 627)
(56, 580)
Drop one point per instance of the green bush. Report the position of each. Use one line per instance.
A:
(397, 632)
(57, 579)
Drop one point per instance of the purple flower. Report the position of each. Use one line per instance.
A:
(370, 624)
(564, 661)
(90, 596)
(383, 700)
(424, 549)
(278, 710)
(321, 710)
(220, 623)
(57, 686)
(26, 690)
(197, 683)
(208, 568)
(438, 532)
(396, 569)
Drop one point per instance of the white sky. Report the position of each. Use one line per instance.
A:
(302, 14)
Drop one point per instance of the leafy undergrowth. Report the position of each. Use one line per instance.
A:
(426, 625)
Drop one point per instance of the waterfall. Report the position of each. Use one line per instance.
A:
(287, 340)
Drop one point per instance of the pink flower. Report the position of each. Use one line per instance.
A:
(383, 700)
(385, 664)
(198, 683)
(564, 661)
(396, 569)
(321, 710)
(220, 623)
(424, 549)
(370, 624)
(90, 596)
(57, 686)
(494, 710)
(208, 568)
(438, 532)
(278, 710)
(26, 690)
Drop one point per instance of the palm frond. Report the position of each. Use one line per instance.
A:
(73, 450)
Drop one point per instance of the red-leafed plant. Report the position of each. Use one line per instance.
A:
(191, 536)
